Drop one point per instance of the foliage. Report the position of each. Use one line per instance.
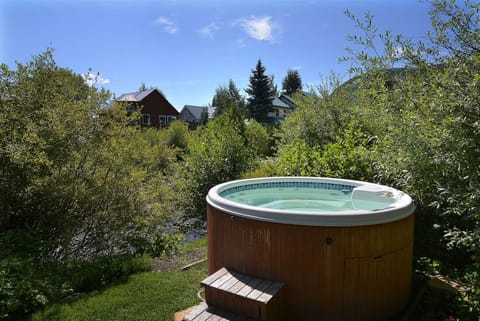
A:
(73, 172)
(292, 82)
(156, 244)
(144, 87)
(319, 117)
(426, 118)
(203, 117)
(27, 285)
(409, 118)
(258, 138)
(226, 96)
(21, 291)
(261, 93)
(264, 168)
(89, 275)
(176, 135)
(144, 296)
(216, 153)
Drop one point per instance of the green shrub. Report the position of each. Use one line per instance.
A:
(265, 168)
(216, 153)
(90, 275)
(21, 289)
(159, 244)
(27, 284)
(257, 138)
(73, 171)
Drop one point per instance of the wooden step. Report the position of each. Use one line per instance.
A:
(203, 312)
(253, 297)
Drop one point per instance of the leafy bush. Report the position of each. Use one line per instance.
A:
(157, 244)
(27, 284)
(176, 135)
(427, 120)
(21, 291)
(216, 153)
(258, 138)
(90, 275)
(73, 171)
(264, 168)
(409, 118)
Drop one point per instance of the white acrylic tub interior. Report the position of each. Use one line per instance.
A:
(311, 201)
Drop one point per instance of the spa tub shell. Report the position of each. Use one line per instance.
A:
(348, 265)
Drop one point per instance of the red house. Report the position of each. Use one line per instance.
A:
(155, 109)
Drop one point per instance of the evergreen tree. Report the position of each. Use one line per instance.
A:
(261, 94)
(292, 82)
(226, 96)
(203, 116)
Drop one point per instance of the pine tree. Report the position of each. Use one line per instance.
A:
(203, 117)
(292, 82)
(226, 96)
(261, 94)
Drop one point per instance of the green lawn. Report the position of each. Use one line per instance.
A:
(144, 296)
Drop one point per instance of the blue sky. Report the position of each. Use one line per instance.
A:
(188, 48)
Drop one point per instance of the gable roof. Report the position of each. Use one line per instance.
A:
(136, 96)
(196, 111)
(277, 102)
(288, 100)
(284, 101)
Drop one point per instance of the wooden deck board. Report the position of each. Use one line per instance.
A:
(203, 312)
(221, 280)
(243, 295)
(243, 285)
(213, 277)
(270, 292)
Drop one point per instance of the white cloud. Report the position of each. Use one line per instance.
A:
(209, 30)
(241, 43)
(168, 25)
(259, 28)
(92, 79)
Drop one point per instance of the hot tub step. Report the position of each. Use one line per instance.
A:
(253, 297)
(203, 312)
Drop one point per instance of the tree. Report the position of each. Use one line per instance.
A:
(427, 121)
(257, 138)
(74, 174)
(225, 96)
(144, 87)
(203, 117)
(217, 153)
(261, 94)
(292, 82)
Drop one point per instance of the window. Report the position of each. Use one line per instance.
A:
(166, 120)
(163, 120)
(146, 119)
(130, 110)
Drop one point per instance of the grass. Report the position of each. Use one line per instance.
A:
(143, 296)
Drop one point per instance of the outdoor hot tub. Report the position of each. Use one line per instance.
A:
(342, 248)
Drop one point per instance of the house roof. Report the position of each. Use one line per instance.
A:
(277, 102)
(284, 101)
(196, 111)
(288, 100)
(135, 96)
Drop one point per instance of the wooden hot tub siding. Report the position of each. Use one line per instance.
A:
(330, 273)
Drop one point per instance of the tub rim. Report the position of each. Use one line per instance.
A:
(401, 208)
